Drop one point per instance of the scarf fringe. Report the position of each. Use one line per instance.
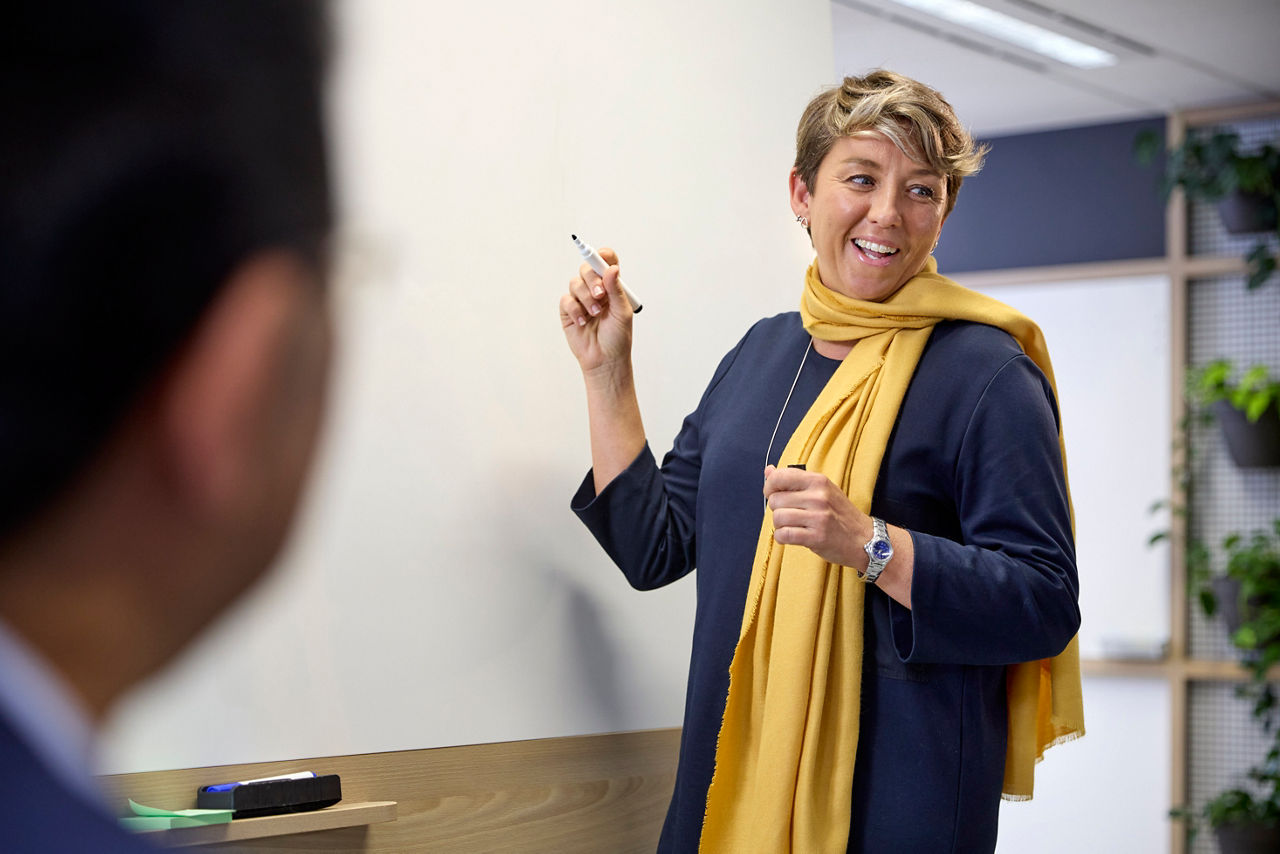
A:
(1062, 739)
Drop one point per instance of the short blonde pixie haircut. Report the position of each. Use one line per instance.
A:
(913, 116)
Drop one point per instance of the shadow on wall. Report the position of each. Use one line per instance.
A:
(544, 587)
(597, 656)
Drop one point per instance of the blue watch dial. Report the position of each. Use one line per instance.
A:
(881, 550)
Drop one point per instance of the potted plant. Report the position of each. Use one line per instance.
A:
(1245, 186)
(1246, 819)
(1248, 410)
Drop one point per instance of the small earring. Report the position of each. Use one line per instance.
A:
(803, 220)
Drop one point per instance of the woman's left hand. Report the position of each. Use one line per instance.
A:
(811, 511)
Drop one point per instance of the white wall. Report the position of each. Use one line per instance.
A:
(439, 591)
(1107, 792)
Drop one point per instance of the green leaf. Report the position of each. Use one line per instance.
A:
(1147, 145)
(1209, 383)
(1261, 264)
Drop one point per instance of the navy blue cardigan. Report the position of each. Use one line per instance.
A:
(972, 470)
(40, 815)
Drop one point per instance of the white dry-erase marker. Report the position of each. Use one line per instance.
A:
(597, 263)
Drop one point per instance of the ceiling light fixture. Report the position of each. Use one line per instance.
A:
(1015, 31)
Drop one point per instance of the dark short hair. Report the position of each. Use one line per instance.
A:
(147, 147)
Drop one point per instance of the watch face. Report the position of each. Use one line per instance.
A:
(881, 550)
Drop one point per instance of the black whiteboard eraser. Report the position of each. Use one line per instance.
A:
(271, 797)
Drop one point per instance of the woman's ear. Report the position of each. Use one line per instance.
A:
(799, 194)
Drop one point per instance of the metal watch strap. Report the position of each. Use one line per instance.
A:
(879, 551)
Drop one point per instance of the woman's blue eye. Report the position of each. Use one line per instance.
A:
(860, 179)
(925, 192)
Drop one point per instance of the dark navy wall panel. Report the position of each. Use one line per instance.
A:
(1058, 197)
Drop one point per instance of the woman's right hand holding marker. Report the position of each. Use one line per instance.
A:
(596, 318)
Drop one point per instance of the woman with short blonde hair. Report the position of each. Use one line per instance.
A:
(907, 590)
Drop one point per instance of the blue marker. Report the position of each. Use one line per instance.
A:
(226, 787)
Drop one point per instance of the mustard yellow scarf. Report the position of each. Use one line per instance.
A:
(784, 760)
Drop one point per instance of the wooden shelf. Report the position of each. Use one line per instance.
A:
(1126, 667)
(1192, 669)
(330, 818)
(1200, 670)
(574, 795)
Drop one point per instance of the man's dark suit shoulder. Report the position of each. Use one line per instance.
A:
(40, 815)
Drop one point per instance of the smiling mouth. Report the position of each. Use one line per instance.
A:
(874, 250)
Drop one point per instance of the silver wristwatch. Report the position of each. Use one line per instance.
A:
(879, 551)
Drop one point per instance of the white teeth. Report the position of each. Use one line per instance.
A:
(878, 248)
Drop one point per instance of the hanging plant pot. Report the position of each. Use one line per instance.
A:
(1248, 838)
(1227, 591)
(1234, 613)
(1244, 213)
(1252, 444)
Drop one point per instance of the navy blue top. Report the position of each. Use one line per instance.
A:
(972, 470)
(40, 815)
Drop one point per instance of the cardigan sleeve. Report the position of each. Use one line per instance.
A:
(648, 532)
(645, 517)
(1008, 591)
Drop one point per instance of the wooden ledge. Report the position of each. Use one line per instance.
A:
(330, 818)
(573, 795)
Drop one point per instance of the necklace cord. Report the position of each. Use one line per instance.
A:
(769, 451)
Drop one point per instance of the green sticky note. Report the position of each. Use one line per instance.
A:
(145, 823)
(147, 818)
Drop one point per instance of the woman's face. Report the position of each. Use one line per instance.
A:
(874, 214)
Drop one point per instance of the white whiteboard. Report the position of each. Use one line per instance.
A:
(439, 591)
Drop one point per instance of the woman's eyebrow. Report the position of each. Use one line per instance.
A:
(871, 164)
(861, 161)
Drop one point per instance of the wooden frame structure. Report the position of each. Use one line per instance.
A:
(1178, 667)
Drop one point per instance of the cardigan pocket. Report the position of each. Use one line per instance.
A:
(879, 646)
(902, 670)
